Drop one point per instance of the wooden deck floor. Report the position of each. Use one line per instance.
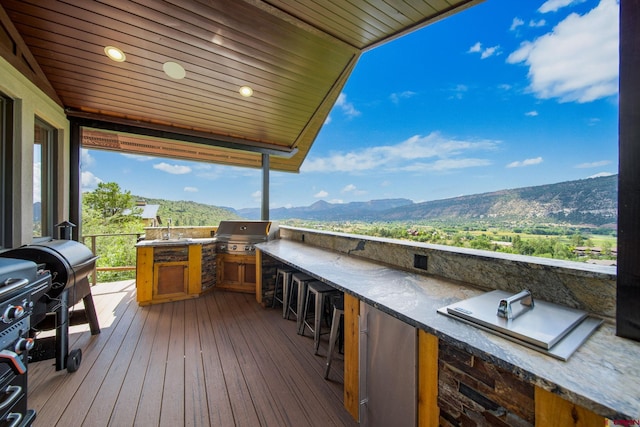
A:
(220, 360)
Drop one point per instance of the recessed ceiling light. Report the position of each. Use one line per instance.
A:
(115, 54)
(246, 91)
(174, 70)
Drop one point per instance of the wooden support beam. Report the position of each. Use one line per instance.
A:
(351, 355)
(428, 412)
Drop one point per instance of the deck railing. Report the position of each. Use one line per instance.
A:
(93, 245)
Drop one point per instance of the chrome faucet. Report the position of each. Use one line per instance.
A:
(169, 229)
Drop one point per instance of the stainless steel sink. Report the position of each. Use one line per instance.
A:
(550, 328)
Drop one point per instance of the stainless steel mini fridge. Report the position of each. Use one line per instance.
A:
(388, 370)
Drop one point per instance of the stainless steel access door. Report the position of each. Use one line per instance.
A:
(388, 370)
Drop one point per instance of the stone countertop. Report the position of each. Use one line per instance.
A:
(602, 375)
(176, 242)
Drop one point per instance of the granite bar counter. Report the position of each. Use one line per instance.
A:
(601, 376)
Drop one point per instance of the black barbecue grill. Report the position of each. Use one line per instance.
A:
(70, 264)
(20, 281)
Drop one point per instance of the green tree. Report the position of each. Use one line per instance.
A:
(109, 202)
(111, 211)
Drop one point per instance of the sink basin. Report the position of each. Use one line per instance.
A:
(550, 328)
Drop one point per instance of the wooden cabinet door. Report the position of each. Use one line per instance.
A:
(170, 279)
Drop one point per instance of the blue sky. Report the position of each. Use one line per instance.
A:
(506, 94)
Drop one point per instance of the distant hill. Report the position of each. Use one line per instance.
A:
(183, 213)
(586, 201)
(322, 210)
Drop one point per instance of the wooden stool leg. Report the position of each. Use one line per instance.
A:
(335, 326)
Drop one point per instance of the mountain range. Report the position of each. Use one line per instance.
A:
(586, 201)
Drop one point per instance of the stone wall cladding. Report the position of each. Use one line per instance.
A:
(208, 265)
(472, 392)
(269, 267)
(583, 286)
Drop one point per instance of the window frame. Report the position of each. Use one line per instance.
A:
(6, 168)
(48, 176)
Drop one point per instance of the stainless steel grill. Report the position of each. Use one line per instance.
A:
(240, 237)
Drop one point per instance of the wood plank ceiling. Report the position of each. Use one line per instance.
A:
(295, 55)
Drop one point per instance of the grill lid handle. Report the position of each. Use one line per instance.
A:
(10, 285)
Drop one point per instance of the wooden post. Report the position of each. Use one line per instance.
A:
(554, 411)
(351, 355)
(428, 412)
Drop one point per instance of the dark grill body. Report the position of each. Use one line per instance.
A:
(20, 282)
(70, 264)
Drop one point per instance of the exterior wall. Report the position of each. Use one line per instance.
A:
(584, 286)
(29, 102)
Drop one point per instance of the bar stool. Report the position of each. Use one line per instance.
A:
(283, 280)
(319, 291)
(299, 283)
(336, 328)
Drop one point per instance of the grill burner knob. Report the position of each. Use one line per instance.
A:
(11, 313)
(23, 344)
(234, 247)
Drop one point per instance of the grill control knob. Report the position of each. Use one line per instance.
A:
(234, 247)
(24, 344)
(11, 313)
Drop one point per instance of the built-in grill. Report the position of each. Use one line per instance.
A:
(240, 237)
(20, 283)
(70, 264)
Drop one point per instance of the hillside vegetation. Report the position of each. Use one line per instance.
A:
(186, 213)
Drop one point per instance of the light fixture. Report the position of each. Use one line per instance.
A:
(246, 91)
(115, 54)
(174, 70)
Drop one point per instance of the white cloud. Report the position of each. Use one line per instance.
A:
(600, 174)
(350, 188)
(138, 157)
(172, 169)
(577, 60)
(475, 48)
(490, 51)
(526, 162)
(555, 5)
(459, 91)
(593, 164)
(397, 96)
(347, 107)
(444, 165)
(486, 52)
(533, 113)
(517, 22)
(537, 24)
(320, 194)
(407, 155)
(190, 189)
(89, 181)
(86, 160)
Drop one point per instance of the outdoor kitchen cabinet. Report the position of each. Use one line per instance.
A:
(236, 273)
(172, 272)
